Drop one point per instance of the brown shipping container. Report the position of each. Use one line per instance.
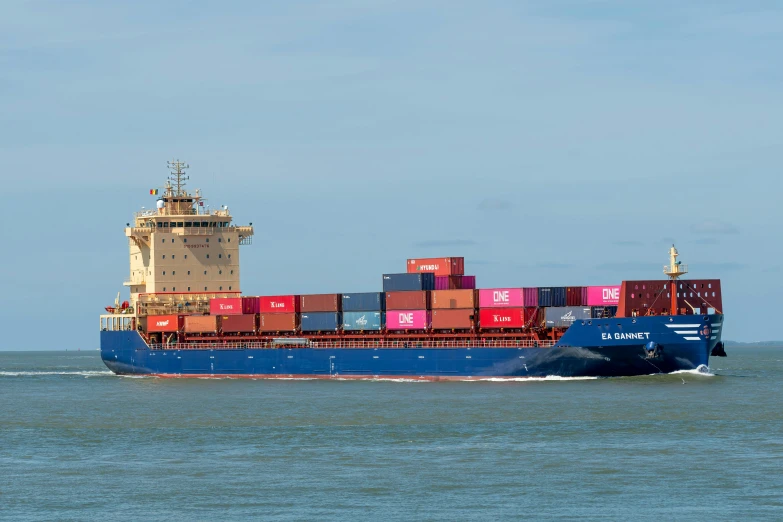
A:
(654, 297)
(453, 299)
(320, 303)
(201, 323)
(414, 300)
(238, 323)
(453, 319)
(277, 322)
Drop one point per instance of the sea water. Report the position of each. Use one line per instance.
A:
(79, 443)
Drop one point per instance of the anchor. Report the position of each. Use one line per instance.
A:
(653, 350)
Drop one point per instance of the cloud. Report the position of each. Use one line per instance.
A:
(445, 243)
(494, 204)
(714, 227)
(627, 243)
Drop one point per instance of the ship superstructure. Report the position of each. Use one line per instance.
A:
(187, 317)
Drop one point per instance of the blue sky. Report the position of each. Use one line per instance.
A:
(550, 143)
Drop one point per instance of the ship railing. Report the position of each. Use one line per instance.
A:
(255, 345)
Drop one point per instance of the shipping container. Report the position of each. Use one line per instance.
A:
(534, 317)
(320, 321)
(363, 321)
(364, 302)
(694, 296)
(558, 296)
(277, 322)
(164, 323)
(408, 300)
(494, 318)
(530, 296)
(437, 265)
(320, 303)
(408, 282)
(455, 282)
(603, 295)
(453, 319)
(444, 299)
(407, 319)
(250, 305)
(225, 306)
(238, 323)
(576, 296)
(278, 304)
(201, 323)
(500, 298)
(551, 296)
(564, 316)
(603, 312)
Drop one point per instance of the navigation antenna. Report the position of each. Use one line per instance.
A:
(674, 270)
(177, 177)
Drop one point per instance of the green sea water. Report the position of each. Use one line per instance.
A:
(78, 443)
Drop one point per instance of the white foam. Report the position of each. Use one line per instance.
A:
(702, 370)
(77, 373)
(530, 379)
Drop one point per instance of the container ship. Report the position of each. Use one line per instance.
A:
(187, 317)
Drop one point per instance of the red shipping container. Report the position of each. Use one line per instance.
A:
(413, 300)
(530, 296)
(438, 265)
(225, 306)
(320, 303)
(534, 317)
(453, 299)
(576, 296)
(277, 322)
(453, 319)
(201, 323)
(164, 323)
(278, 304)
(250, 305)
(238, 323)
(502, 318)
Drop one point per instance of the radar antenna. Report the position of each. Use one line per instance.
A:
(176, 183)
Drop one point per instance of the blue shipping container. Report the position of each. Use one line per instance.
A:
(408, 282)
(364, 302)
(361, 321)
(558, 296)
(321, 321)
(544, 296)
(604, 312)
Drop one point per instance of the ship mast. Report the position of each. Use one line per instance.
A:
(674, 270)
(177, 177)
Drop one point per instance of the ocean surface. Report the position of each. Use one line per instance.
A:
(78, 443)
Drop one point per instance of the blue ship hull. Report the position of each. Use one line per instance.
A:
(596, 348)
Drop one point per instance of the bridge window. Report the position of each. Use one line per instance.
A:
(174, 289)
(164, 288)
(229, 288)
(165, 225)
(188, 289)
(188, 224)
(204, 224)
(221, 288)
(205, 288)
(196, 224)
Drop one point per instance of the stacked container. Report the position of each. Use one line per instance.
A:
(453, 309)
(603, 295)
(238, 324)
(442, 266)
(164, 323)
(408, 282)
(407, 319)
(278, 313)
(203, 324)
(320, 312)
(502, 298)
(530, 296)
(363, 311)
(564, 316)
(455, 282)
(576, 296)
(225, 306)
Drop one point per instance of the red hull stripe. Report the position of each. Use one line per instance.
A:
(329, 377)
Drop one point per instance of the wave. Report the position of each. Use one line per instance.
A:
(702, 370)
(37, 373)
(531, 379)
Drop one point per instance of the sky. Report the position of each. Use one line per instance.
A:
(550, 143)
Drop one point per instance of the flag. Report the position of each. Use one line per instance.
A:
(201, 203)
(154, 192)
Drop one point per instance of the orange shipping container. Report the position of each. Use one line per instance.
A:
(201, 323)
(453, 319)
(438, 265)
(238, 323)
(277, 322)
(453, 299)
(413, 300)
(320, 303)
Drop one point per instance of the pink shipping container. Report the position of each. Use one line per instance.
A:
(278, 304)
(500, 297)
(250, 305)
(455, 282)
(603, 295)
(225, 306)
(407, 319)
(530, 296)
